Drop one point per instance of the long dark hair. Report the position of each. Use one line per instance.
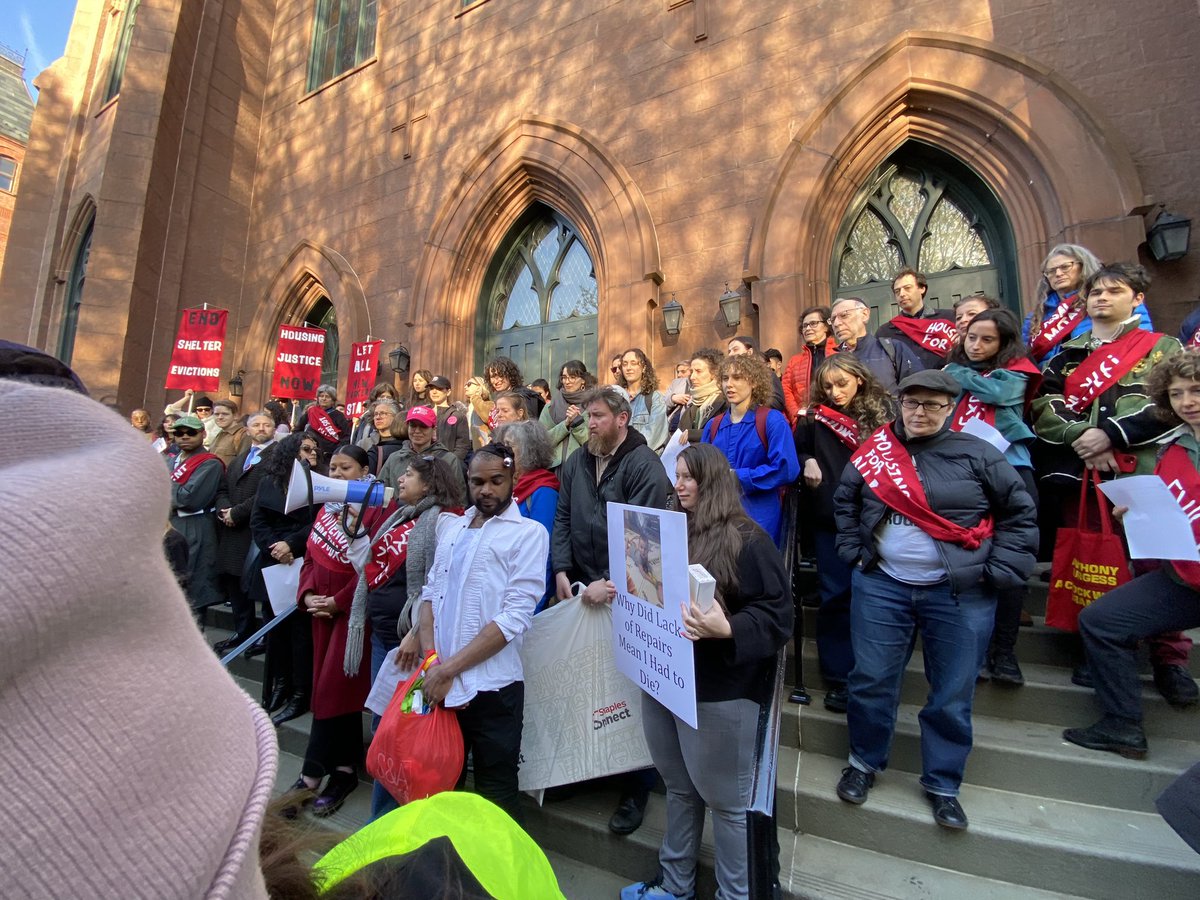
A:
(718, 525)
(1011, 349)
(277, 467)
(872, 405)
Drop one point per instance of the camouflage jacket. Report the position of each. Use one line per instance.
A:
(1124, 412)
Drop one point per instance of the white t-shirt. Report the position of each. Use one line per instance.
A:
(906, 552)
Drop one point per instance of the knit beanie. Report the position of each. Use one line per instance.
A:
(135, 765)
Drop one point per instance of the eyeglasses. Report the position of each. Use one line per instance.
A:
(185, 432)
(1059, 270)
(806, 326)
(930, 406)
(839, 316)
(304, 448)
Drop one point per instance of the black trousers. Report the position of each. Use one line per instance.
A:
(245, 623)
(491, 729)
(290, 655)
(333, 742)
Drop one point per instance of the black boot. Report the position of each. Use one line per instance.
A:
(628, 816)
(296, 707)
(337, 789)
(299, 795)
(1116, 735)
(277, 697)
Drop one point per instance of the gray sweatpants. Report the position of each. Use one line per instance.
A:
(707, 766)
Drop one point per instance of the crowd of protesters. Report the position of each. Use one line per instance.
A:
(934, 458)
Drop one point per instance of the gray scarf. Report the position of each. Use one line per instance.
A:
(417, 563)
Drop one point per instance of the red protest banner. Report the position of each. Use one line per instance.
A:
(196, 357)
(364, 359)
(298, 359)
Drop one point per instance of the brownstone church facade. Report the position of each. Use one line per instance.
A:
(541, 178)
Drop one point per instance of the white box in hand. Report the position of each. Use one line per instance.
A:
(702, 586)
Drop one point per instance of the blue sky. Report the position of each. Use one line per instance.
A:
(37, 28)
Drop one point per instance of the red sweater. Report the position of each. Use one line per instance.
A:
(797, 391)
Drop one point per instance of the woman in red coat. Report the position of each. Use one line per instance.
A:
(341, 679)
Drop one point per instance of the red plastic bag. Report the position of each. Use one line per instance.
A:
(1087, 564)
(412, 755)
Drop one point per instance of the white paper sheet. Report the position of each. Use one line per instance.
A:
(282, 583)
(390, 677)
(986, 432)
(671, 453)
(1156, 527)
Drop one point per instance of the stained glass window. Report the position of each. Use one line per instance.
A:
(950, 241)
(343, 37)
(66, 339)
(906, 200)
(869, 254)
(547, 276)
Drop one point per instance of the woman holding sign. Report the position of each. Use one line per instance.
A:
(736, 638)
(999, 382)
(847, 404)
(935, 522)
(1164, 600)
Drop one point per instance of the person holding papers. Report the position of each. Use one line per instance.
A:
(736, 637)
(999, 381)
(936, 522)
(1163, 600)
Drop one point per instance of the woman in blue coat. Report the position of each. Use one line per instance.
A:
(756, 440)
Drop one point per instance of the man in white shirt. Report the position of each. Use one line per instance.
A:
(489, 571)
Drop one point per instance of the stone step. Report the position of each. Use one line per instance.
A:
(1056, 845)
(1048, 697)
(1025, 757)
(578, 880)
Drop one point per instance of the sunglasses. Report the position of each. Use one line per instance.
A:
(203, 409)
(185, 432)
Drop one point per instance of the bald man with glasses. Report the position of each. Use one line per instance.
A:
(888, 360)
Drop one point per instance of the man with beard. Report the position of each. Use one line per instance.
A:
(615, 465)
(234, 506)
(476, 626)
(195, 482)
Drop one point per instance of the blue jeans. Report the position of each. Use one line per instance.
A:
(885, 617)
(381, 801)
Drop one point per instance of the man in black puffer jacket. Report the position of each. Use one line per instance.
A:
(936, 521)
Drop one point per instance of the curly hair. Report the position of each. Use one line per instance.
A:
(438, 477)
(871, 406)
(505, 368)
(1182, 364)
(712, 357)
(649, 382)
(754, 370)
(277, 465)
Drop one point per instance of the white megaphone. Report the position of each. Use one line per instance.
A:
(306, 487)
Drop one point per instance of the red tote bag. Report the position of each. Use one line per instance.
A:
(416, 755)
(1087, 564)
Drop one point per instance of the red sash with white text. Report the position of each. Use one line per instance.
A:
(188, 467)
(328, 543)
(1071, 311)
(971, 407)
(1195, 341)
(320, 422)
(840, 424)
(888, 470)
(935, 335)
(1183, 481)
(1105, 366)
(389, 553)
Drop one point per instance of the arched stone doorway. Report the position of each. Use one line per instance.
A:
(929, 211)
(1033, 139)
(540, 300)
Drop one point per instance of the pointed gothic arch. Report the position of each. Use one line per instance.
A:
(535, 160)
(1061, 172)
(310, 274)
